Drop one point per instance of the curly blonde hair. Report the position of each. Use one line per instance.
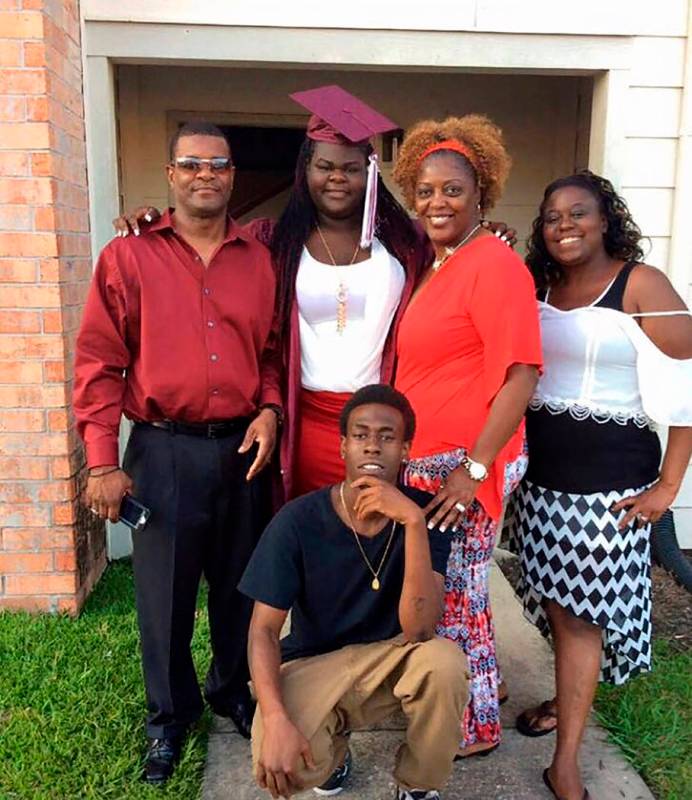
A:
(491, 162)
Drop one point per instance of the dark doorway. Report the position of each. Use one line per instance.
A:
(265, 160)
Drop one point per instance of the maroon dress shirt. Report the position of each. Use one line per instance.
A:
(163, 337)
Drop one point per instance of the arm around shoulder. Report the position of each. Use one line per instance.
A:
(261, 229)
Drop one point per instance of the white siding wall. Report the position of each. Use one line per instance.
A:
(612, 17)
(649, 175)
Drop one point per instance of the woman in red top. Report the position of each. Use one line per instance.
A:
(468, 358)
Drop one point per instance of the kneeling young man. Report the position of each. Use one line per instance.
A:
(363, 577)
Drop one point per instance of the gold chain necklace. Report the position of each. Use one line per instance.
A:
(450, 251)
(375, 584)
(342, 290)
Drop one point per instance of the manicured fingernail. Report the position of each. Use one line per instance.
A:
(443, 528)
(125, 233)
(498, 234)
(147, 217)
(136, 231)
(455, 528)
(430, 525)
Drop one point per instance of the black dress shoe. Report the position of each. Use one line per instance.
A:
(162, 756)
(240, 710)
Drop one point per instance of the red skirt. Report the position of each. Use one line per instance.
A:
(318, 462)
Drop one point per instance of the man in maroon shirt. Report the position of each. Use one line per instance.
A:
(177, 336)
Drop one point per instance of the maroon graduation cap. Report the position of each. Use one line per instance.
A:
(339, 117)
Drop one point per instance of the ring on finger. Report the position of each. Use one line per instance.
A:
(460, 507)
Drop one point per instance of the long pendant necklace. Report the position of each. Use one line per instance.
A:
(375, 583)
(342, 289)
(449, 251)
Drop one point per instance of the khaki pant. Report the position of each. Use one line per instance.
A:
(362, 684)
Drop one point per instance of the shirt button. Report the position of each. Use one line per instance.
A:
(210, 324)
(214, 391)
(206, 290)
(214, 357)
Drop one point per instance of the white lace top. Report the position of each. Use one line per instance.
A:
(333, 361)
(599, 363)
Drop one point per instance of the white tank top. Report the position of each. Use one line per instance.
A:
(334, 361)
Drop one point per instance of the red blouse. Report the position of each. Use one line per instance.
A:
(456, 341)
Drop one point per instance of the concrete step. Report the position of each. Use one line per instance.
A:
(513, 772)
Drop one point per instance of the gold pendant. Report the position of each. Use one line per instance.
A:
(341, 300)
(375, 584)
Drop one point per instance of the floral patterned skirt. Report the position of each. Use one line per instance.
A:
(467, 619)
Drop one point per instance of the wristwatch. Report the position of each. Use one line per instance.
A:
(476, 470)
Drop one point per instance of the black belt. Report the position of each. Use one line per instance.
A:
(204, 430)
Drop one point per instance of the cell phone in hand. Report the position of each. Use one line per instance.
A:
(133, 513)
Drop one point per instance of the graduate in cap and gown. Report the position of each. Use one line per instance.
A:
(347, 257)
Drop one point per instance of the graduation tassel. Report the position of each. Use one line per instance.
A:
(367, 231)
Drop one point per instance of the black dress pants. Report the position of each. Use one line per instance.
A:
(205, 520)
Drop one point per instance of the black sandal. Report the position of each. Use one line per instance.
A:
(546, 781)
(523, 721)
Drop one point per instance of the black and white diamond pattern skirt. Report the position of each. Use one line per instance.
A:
(573, 553)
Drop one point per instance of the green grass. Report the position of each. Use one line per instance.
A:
(650, 718)
(72, 703)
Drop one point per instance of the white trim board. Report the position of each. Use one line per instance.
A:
(428, 51)
(620, 17)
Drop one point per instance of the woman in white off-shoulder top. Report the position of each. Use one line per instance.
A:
(617, 346)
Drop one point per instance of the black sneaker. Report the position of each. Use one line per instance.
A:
(335, 782)
(417, 794)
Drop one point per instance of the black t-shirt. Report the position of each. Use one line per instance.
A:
(307, 560)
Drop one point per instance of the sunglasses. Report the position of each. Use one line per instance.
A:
(194, 164)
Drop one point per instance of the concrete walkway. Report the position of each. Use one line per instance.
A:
(513, 772)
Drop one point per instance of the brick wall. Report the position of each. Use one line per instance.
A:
(51, 551)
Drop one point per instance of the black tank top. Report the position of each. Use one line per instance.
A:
(586, 456)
